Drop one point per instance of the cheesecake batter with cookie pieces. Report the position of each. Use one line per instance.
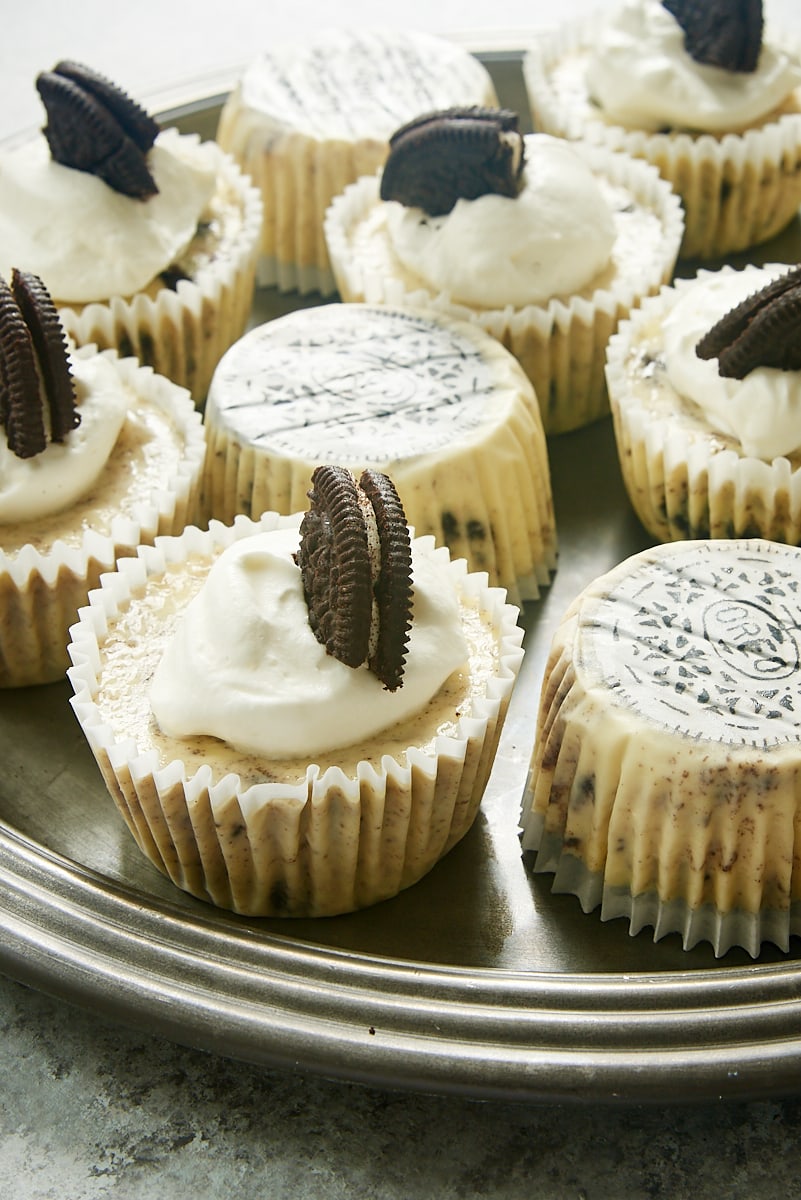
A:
(665, 779)
(436, 404)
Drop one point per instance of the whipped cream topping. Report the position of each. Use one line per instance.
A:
(53, 480)
(244, 665)
(641, 75)
(88, 242)
(360, 84)
(550, 240)
(763, 410)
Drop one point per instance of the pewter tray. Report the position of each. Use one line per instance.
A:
(477, 980)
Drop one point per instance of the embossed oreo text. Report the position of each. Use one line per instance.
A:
(706, 641)
(749, 641)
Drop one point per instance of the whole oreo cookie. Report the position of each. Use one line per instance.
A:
(721, 33)
(762, 331)
(454, 154)
(355, 562)
(34, 367)
(93, 126)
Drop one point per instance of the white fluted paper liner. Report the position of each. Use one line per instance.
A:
(690, 833)
(560, 345)
(737, 190)
(183, 333)
(684, 478)
(43, 586)
(328, 844)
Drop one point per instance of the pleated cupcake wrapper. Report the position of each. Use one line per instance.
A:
(697, 856)
(298, 176)
(683, 482)
(183, 333)
(560, 345)
(723, 931)
(738, 190)
(326, 845)
(501, 522)
(42, 590)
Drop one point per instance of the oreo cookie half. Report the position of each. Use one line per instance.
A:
(454, 154)
(34, 368)
(764, 330)
(356, 565)
(721, 33)
(94, 126)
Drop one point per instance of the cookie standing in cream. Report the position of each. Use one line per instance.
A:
(383, 784)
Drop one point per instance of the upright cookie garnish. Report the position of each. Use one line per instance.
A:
(355, 561)
(35, 376)
(455, 154)
(92, 125)
(764, 330)
(721, 33)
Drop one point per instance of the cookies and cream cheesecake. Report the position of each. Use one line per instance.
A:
(702, 91)
(308, 117)
(705, 388)
(311, 713)
(436, 404)
(665, 777)
(97, 455)
(543, 244)
(145, 238)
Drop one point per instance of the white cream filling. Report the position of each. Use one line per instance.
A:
(763, 410)
(53, 480)
(550, 240)
(641, 75)
(88, 242)
(244, 665)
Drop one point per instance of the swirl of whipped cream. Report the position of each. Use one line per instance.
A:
(550, 240)
(243, 664)
(88, 242)
(641, 76)
(64, 471)
(763, 410)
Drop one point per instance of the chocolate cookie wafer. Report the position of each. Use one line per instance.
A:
(721, 33)
(94, 126)
(355, 562)
(35, 375)
(762, 331)
(457, 153)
